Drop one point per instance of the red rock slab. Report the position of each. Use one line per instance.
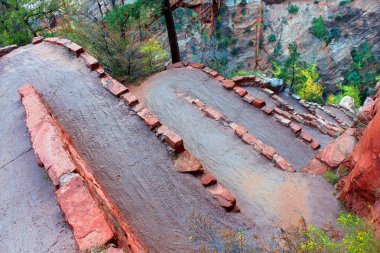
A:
(138, 107)
(113, 86)
(161, 130)
(298, 118)
(228, 84)
(284, 121)
(149, 118)
(295, 128)
(267, 109)
(315, 145)
(75, 48)
(214, 73)
(174, 140)
(266, 90)
(198, 103)
(100, 71)
(336, 152)
(240, 91)
(84, 216)
(187, 163)
(306, 137)
(278, 99)
(130, 99)
(52, 40)
(248, 98)
(207, 179)
(249, 139)
(207, 70)
(268, 152)
(212, 113)
(282, 112)
(258, 102)
(185, 63)
(37, 40)
(197, 65)
(240, 130)
(282, 163)
(90, 61)
(175, 65)
(220, 78)
(317, 167)
(224, 198)
(115, 250)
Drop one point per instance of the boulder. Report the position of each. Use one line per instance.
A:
(187, 163)
(367, 111)
(317, 167)
(348, 103)
(335, 153)
(207, 179)
(274, 83)
(223, 197)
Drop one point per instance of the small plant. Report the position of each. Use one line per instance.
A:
(235, 51)
(331, 177)
(293, 9)
(272, 38)
(243, 2)
(319, 30)
(335, 33)
(344, 2)
(250, 43)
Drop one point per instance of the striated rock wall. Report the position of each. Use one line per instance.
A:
(361, 188)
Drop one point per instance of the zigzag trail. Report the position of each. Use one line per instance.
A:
(133, 166)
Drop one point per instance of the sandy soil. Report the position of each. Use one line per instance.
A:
(127, 158)
(267, 195)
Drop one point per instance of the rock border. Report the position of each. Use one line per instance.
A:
(90, 212)
(7, 49)
(173, 141)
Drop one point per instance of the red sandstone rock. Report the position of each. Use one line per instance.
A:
(281, 119)
(267, 109)
(214, 73)
(84, 216)
(150, 118)
(114, 250)
(270, 92)
(295, 128)
(63, 42)
(228, 84)
(186, 163)
(197, 65)
(207, 70)
(306, 137)
(37, 40)
(100, 71)
(223, 197)
(361, 190)
(282, 163)
(161, 130)
(52, 40)
(130, 99)
(90, 61)
(258, 102)
(315, 145)
(113, 86)
(248, 98)
(240, 130)
(75, 48)
(367, 111)
(297, 118)
(317, 167)
(268, 152)
(175, 65)
(282, 112)
(249, 139)
(335, 153)
(240, 91)
(220, 78)
(174, 141)
(138, 107)
(207, 179)
(212, 113)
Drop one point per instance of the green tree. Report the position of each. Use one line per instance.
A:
(153, 54)
(19, 19)
(319, 30)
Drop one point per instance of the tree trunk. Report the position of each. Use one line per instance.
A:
(172, 35)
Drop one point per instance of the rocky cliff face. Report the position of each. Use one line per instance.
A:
(361, 188)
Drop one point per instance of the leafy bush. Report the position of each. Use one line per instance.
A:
(235, 51)
(341, 3)
(331, 177)
(310, 90)
(319, 30)
(250, 43)
(272, 38)
(293, 9)
(335, 33)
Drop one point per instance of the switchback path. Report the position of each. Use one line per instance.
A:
(126, 157)
(265, 193)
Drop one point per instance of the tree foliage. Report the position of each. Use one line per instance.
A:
(21, 19)
(319, 29)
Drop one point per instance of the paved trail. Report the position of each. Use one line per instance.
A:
(268, 195)
(127, 159)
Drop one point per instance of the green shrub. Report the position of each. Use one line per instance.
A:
(331, 177)
(344, 2)
(293, 9)
(319, 30)
(272, 38)
(250, 43)
(338, 18)
(235, 51)
(335, 33)
(243, 2)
